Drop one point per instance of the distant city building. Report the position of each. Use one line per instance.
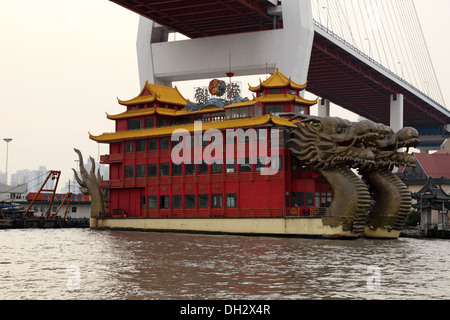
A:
(32, 178)
(3, 177)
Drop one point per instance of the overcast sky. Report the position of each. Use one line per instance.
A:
(63, 63)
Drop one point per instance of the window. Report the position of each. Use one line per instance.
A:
(216, 200)
(152, 170)
(140, 145)
(164, 169)
(231, 137)
(203, 168)
(140, 171)
(323, 199)
(309, 199)
(317, 202)
(206, 117)
(218, 116)
(281, 135)
(216, 167)
(164, 202)
(152, 202)
(235, 113)
(244, 112)
(262, 134)
(189, 201)
(205, 139)
(189, 168)
(292, 91)
(160, 123)
(170, 122)
(300, 110)
(134, 124)
(177, 201)
(228, 114)
(165, 143)
(275, 91)
(276, 163)
(230, 166)
(74, 209)
(275, 110)
(149, 123)
(129, 146)
(129, 172)
(298, 199)
(244, 165)
(329, 199)
(260, 163)
(143, 202)
(258, 111)
(306, 167)
(231, 200)
(251, 111)
(203, 201)
(177, 169)
(295, 163)
(152, 144)
(247, 136)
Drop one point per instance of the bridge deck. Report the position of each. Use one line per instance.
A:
(336, 73)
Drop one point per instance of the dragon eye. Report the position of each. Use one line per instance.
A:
(315, 125)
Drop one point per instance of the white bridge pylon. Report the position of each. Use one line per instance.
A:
(288, 49)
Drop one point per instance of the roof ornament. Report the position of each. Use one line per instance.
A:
(214, 102)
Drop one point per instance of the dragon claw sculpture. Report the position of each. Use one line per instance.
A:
(90, 185)
(336, 148)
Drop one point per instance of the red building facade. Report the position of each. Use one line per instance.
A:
(249, 178)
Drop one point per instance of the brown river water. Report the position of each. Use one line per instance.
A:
(84, 264)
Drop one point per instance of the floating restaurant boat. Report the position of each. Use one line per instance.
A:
(232, 167)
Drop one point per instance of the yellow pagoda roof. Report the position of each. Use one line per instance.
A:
(161, 111)
(162, 131)
(271, 98)
(278, 80)
(152, 92)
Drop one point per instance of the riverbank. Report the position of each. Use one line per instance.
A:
(430, 234)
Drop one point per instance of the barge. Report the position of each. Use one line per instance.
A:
(224, 167)
(14, 216)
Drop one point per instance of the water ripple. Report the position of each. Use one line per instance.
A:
(88, 264)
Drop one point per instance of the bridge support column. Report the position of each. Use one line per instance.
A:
(149, 32)
(252, 53)
(396, 112)
(324, 108)
(447, 127)
(297, 40)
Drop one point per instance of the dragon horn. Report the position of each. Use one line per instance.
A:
(304, 117)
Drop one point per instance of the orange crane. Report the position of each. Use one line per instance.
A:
(67, 196)
(54, 175)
